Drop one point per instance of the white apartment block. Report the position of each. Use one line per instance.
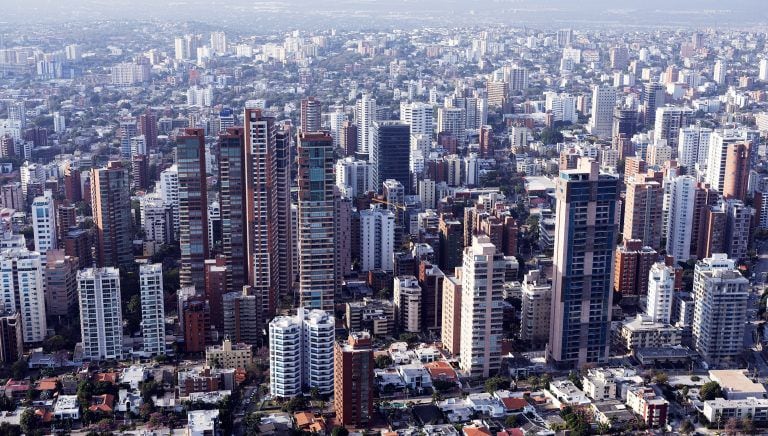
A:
(22, 290)
(152, 308)
(101, 320)
(377, 239)
(44, 223)
(407, 303)
(661, 290)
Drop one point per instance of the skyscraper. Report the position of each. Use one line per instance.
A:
(44, 223)
(680, 219)
(390, 152)
(169, 192)
(661, 290)
(101, 320)
(232, 200)
(633, 261)
(585, 235)
(193, 207)
(668, 122)
(152, 308)
(603, 103)
(377, 239)
(721, 294)
(419, 116)
(111, 202)
(652, 98)
(482, 310)
(60, 284)
(285, 229)
(693, 146)
(354, 380)
(22, 290)
(311, 110)
(318, 281)
(536, 308)
(365, 115)
(728, 162)
(643, 210)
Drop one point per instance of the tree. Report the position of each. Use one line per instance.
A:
(29, 421)
(496, 383)
(252, 422)
(534, 382)
(410, 338)
(661, 378)
(339, 431)
(710, 391)
(747, 425)
(732, 426)
(19, 369)
(510, 421)
(8, 429)
(383, 361)
(686, 427)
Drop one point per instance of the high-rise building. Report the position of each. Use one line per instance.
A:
(624, 126)
(419, 116)
(482, 310)
(407, 301)
(219, 42)
(603, 103)
(216, 285)
(536, 308)
(261, 208)
(311, 115)
(431, 281)
(668, 122)
(719, 72)
(301, 353)
(451, 242)
(652, 98)
(232, 200)
(111, 202)
(693, 146)
(390, 152)
(365, 115)
(152, 308)
(452, 121)
(738, 222)
(377, 239)
(564, 37)
(241, 313)
(60, 284)
(721, 294)
(318, 280)
(148, 128)
(585, 235)
(101, 320)
(193, 207)
(22, 290)
(44, 223)
(661, 291)
(633, 261)
(643, 211)
(728, 162)
(353, 177)
(11, 338)
(169, 192)
(156, 219)
(354, 380)
(285, 227)
(763, 73)
(680, 219)
(348, 139)
(451, 319)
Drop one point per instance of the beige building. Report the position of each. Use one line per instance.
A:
(451, 332)
(643, 332)
(228, 355)
(407, 302)
(536, 305)
(599, 384)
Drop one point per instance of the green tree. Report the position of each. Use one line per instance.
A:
(496, 383)
(687, 427)
(339, 431)
(661, 378)
(19, 369)
(252, 422)
(510, 421)
(29, 421)
(383, 361)
(710, 391)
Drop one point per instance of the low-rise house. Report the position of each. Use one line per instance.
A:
(310, 422)
(16, 389)
(202, 422)
(212, 397)
(425, 414)
(652, 408)
(612, 413)
(67, 407)
(415, 377)
(134, 375)
(128, 401)
(456, 410)
(441, 370)
(564, 392)
(599, 384)
(736, 385)
(104, 403)
(487, 404)
(229, 355)
(723, 409)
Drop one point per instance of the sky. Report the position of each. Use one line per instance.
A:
(366, 14)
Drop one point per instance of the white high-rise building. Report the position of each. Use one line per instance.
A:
(661, 290)
(152, 308)
(693, 146)
(200, 96)
(407, 302)
(482, 309)
(718, 73)
(179, 49)
(301, 353)
(453, 121)
(22, 290)
(377, 239)
(763, 75)
(536, 307)
(44, 223)
(419, 116)
(169, 192)
(353, 177)
(669, 121)
(101, 320)
(336, 121)
(156, 219)
(427, 193)
(721, 297)
(562, 107)
(219, 43)
(680, 217)
(365, 115)
(603, 103)
(59, 122)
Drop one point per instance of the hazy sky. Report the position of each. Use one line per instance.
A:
(378, 13)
